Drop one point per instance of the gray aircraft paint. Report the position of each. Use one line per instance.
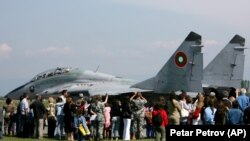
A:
(75, 81)
(173, 77)
(227, 68)
(170, 78)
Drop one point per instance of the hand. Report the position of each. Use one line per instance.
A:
(136, 93)
(201, 98)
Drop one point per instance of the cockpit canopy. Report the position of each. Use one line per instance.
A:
(51, 72)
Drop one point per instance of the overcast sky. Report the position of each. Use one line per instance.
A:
(127, 38)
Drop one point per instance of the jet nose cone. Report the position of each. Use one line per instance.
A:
(18, 92)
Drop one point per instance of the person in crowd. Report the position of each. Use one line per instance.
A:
(160, 131)
(139, 114)
(80, 121)
(19, 118)
(115, 119)
(198, 107)
(69, 112)
(220, 116)
(148, 118)
(235, 115)
(59, 116)
(51, 117)
(231, 99)
(210, 111)
(64, 95)
(39, 113)
(190, 106)
(243, 100)
(107, 123)
(80, 99)
(184, 106)
(24, 123)
(92, 116)
(97, 109)
(126, 114)
(30, 121)
(225, 100)
(9, 110)
(246, 116)
(1, 123)
(174, 110)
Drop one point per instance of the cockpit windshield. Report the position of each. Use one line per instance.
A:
(50, 73)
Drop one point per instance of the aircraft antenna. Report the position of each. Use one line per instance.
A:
(97, 68)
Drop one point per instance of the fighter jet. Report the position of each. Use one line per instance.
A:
(226, 70)
(183, 71)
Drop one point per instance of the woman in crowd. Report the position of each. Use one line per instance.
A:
(51, 117)
(69, 111)
(9, 109)
(107, 111)
(160, 121)
(174, 110)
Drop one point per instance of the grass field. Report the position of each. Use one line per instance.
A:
(2, 102)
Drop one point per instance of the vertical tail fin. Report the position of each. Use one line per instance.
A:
(226, 69)
(183, 71)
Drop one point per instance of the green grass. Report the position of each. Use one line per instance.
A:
(15, 102)
(5, 138)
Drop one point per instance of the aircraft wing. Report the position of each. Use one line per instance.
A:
(112, 89)
(93, 88)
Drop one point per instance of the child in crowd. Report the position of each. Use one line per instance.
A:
(81, 121)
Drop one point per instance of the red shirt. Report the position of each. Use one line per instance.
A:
(196, 112)
(163, 115)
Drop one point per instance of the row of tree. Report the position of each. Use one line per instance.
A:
(245, 84)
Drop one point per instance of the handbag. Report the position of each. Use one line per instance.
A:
(83, 130)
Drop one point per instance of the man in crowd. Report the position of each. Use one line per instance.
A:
(39, 111)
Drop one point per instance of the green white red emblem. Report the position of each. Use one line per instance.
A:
(180, 59)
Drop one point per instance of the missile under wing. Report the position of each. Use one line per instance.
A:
(183, 71)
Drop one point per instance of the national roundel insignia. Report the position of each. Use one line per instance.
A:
(180, 59)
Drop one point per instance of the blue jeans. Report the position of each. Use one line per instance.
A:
(115, 126)
(59, 127)
(80, 136)
(149, 131)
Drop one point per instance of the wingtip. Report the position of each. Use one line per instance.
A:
(238, 40)
(192, 36)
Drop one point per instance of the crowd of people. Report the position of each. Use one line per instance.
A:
(99, 118)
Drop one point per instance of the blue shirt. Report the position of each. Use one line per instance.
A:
(243, 101)
(209, 116)
(80, 120)
(235, 117)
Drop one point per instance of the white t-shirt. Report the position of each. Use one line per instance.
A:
(63, 99)
(24, 106)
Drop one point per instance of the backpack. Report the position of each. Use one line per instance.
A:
(157, 119)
